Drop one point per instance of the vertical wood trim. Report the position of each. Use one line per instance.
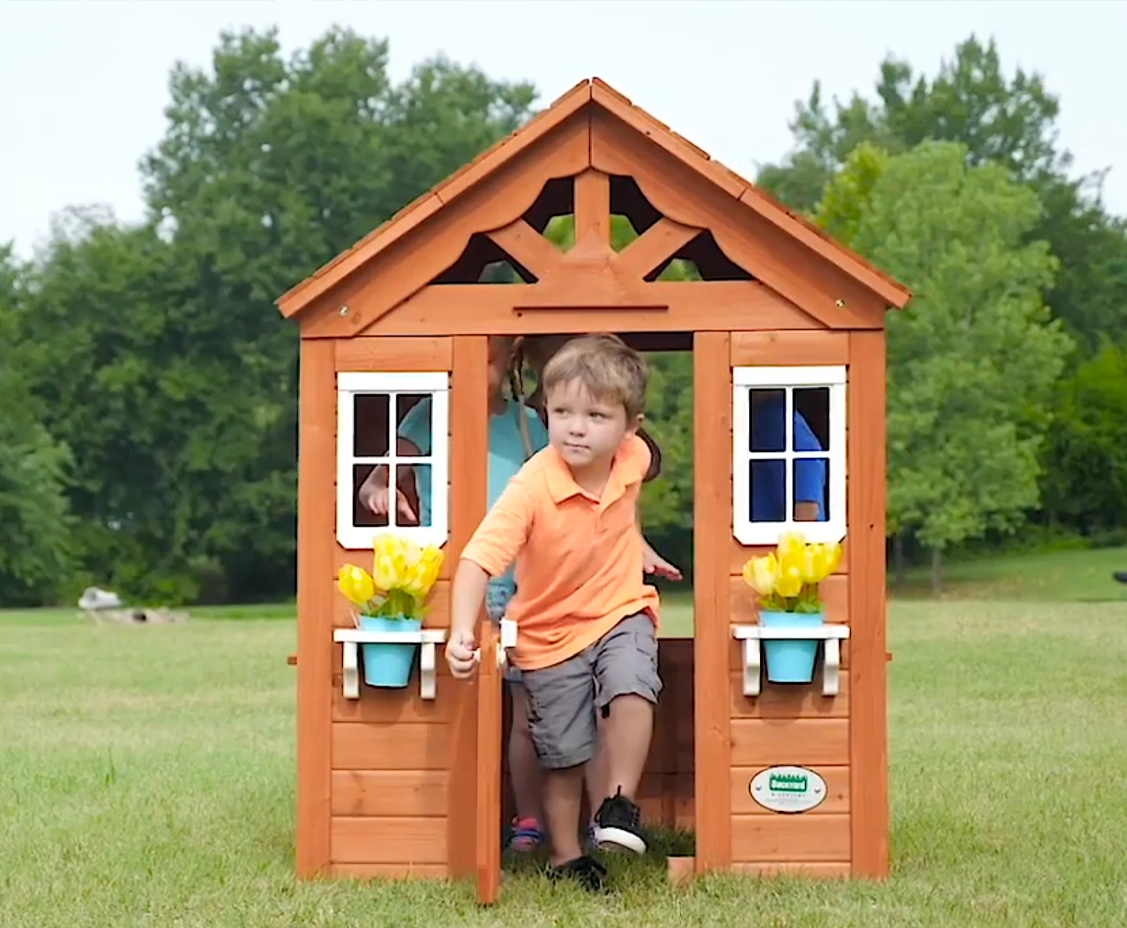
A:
(592, 208)
(316, 546)
(488, 805)
(712, 519)
(868, 729)
(469, 411)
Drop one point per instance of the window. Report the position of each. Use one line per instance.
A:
(397, 423)
(788, 468)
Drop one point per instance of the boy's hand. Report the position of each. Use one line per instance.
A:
(460, 654)
(654, 563)
(379, 499)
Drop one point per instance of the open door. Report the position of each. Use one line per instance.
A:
(488, 796)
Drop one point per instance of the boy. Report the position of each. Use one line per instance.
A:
(506, 456)
(587, 621)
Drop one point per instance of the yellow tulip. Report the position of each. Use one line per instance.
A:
(761, 574)
(420, 577)
(834, 553)
(791, 545)
(790, 582)
(356, 584)
(812, 564)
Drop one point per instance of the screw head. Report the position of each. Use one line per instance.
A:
(343, 310)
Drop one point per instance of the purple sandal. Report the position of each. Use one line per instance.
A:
(526, 835)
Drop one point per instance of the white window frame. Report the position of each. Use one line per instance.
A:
(744, 380)
(353, 383)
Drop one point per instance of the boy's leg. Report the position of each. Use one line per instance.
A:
(561, 722)
(629, 686)
(595, 778)
(525, 771)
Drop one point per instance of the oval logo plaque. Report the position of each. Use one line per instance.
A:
(787, 789)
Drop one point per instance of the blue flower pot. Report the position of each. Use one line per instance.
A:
(790, 661)
(388, 665)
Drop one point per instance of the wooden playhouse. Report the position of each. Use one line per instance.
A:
(409, 781)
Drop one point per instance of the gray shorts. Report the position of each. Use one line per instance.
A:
(563, 699)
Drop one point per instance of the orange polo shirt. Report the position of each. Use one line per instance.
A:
(578, 557)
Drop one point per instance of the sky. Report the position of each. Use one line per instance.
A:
(83, 83)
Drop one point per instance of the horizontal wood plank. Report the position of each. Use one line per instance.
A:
(790, 349)
(483, 309)
(806, 742)
(390, 792)
(812, 869)
(394, 746)
(790, 701)
(401, 840)
(389, 871)
(377, 704)
(836, 801)
(791, 838)
(398, 353)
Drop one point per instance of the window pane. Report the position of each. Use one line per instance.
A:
(361, 514)
(812, 419)
(767, 491)
(414, 413)
(371, 426)
(415, 504)
(811, 489)
(767, 430)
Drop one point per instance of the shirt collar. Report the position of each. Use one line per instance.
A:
(562, 485)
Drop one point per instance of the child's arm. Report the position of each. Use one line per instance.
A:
(652, 562)
(493, 547)
(470, 581)
(373, 491)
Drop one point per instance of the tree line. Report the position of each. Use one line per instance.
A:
(148, 388)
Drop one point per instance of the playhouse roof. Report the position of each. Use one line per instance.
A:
(588, 93)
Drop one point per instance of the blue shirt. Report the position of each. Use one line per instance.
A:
(768, 478)
(506, 453)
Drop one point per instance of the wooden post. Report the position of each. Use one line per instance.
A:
(469, 415)
(712, 515)
(315, 540)
(868, 726)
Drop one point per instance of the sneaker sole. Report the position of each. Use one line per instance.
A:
(608, 839)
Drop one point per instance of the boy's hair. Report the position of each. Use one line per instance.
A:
(605, 366)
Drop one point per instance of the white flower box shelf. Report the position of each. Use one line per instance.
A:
(428, 639)
(753, 637)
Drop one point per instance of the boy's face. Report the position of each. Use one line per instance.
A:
(584, 429)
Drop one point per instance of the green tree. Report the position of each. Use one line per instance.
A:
(1086, 453)
(973, 361)
(35, 544)
(179, 383)
(1010, 121)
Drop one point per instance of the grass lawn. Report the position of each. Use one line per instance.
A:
(148, 781)
(1061, 576)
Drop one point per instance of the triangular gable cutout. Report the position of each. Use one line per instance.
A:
(592, 126)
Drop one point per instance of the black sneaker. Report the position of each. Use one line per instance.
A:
(1120, 575)
(587, 871)
(618, 824)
